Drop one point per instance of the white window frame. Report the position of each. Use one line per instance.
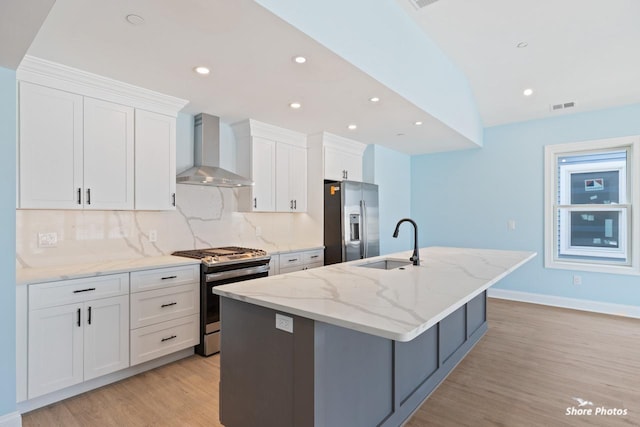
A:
(629, 207)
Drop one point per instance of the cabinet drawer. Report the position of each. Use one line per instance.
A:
(292, 268)
(291, 259)
(159, 305)
(71, 291)
(164, 338)
(312, 257)
(147, 280)
(314, 265)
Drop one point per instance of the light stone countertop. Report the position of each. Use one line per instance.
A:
(394, 304)
(26, 276)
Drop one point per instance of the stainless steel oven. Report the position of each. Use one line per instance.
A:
(221, 266)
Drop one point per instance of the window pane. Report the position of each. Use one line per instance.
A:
(595, 229)
(595, 187)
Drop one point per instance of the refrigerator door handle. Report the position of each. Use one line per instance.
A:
(365, 229)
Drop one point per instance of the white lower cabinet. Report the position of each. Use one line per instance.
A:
(298, 261)
(165, 311)
(74, 337)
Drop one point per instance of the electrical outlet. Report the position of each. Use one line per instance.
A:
(511, 224)
(577, 280)
(48, 240)
(153, 235)
(284, 323)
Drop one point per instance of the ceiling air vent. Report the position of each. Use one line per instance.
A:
(419, 4)
(563, 106)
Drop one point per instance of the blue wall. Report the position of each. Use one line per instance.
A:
(391, 171)
(466, 198)
(7, 241)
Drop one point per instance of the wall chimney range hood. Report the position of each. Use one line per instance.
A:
(206, 169)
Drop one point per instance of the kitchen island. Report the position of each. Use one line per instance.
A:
(350, 345)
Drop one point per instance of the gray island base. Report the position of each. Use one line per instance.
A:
(328, 376)
(348, 345)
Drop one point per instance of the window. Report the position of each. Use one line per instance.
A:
(590, 189)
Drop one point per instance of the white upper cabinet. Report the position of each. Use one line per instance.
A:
(342, 157)
(291, 178)
(155, 161)
(89, 142)
(50, 150)
(275, 159)
(108, 155)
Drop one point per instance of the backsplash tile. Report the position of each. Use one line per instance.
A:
(204, 217)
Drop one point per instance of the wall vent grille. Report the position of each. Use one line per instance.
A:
(419, 4)
(563, 106)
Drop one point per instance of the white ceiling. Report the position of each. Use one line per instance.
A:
(578, 50)
(584, 51)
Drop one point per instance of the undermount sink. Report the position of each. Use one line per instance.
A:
(387, 264)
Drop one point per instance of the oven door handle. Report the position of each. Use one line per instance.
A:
(214, 277)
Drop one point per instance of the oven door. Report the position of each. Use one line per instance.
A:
(212, 320)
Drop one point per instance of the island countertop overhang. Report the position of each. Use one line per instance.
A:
(394, 304)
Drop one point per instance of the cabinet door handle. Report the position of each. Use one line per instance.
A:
(79, 196)
(89, 316)
(79, 318)
(168, 338)
(255, 202)
(295, 204)
(173, 199)
(346, 174)
(84, 290)
(168, 304)
(291, 204)
(169, 277)
(88, 196)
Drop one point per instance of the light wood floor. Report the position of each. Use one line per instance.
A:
(524, 372)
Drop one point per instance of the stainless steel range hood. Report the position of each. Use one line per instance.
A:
(206, 169)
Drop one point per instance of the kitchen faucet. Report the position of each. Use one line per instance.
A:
(415, 258)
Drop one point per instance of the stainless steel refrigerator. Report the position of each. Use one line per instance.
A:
(351, 225)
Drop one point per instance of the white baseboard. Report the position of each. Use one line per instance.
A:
(572, 303)
(13, 419)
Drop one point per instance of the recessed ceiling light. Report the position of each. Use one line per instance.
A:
(374, 99)
(352, 127)
(522, 45)
(134, 19)
(527, 92)
(299, 59)
(202, 70)
(418, 123)
(295, 105)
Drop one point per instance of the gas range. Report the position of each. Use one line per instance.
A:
(221, 266)
(225, 256)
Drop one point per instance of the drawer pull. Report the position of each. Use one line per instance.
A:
(169, 338)
(169, 277)
(84, 290)
(314, 256)
(293, 259)
(168, 304)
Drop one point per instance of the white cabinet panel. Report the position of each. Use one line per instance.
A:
(164, 304)
(50, 149)
(263, 175)
(108, 155)
(291, 178)
(106, 336)
(163, 338)
(55, 349)
(341, 165)
(158, 278)
(155, 161)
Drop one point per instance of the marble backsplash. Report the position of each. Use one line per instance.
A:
(204, 217)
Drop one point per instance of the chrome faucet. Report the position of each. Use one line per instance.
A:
(415, 258)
